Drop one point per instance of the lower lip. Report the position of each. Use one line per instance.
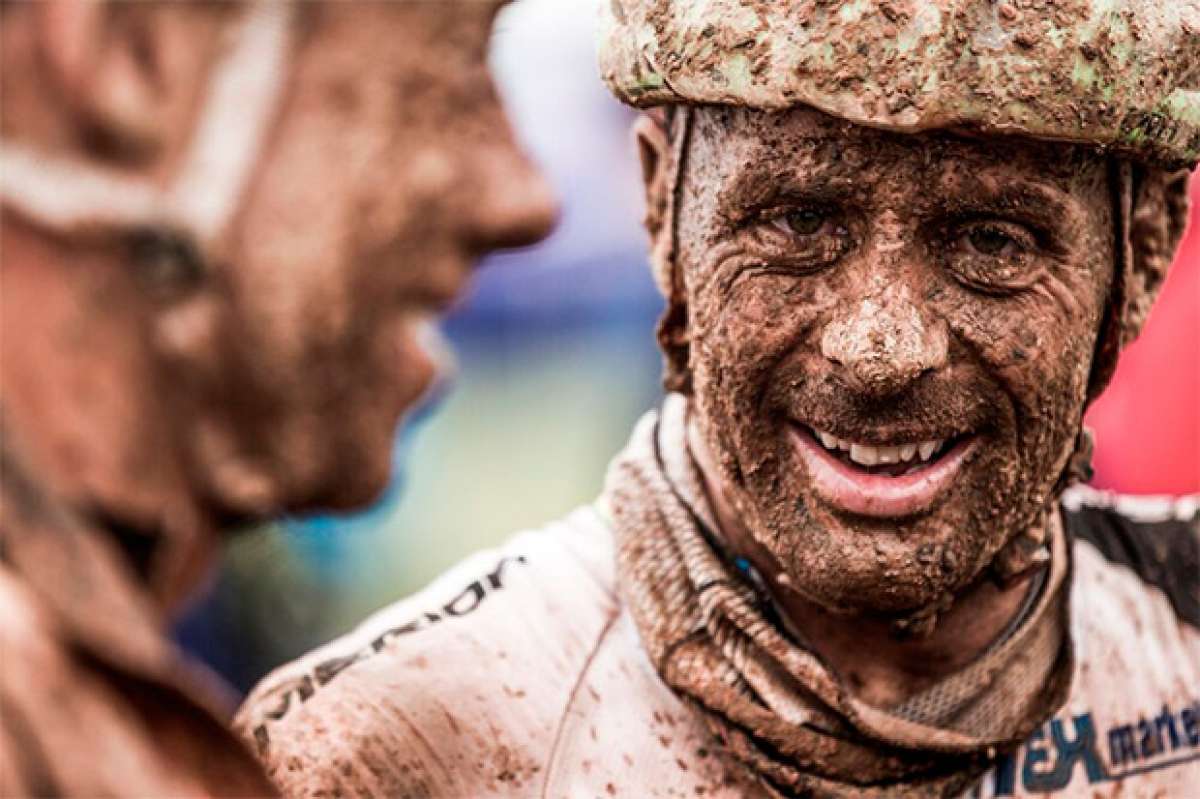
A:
(856, 491)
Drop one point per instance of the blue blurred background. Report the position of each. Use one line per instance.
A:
(556, 359)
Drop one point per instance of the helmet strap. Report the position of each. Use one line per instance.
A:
(72, 197)
(673, 333)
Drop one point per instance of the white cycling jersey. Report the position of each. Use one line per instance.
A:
(518, 673)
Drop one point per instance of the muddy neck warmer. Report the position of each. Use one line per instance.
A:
(712, 632)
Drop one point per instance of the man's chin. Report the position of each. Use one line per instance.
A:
(886, 567)
(359, 497)
(352, 489)
(872, 589)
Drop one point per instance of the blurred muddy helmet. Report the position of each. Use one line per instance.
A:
(1122, 76)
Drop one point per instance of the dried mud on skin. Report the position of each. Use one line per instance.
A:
(1016, 360)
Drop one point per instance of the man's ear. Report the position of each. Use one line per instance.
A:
(654, 152)
(123, 70)
(1157, 222)
(1152, 213)
(658, 178)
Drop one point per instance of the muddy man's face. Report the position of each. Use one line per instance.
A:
(390, 171)
(890, 340)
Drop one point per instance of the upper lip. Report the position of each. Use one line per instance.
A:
(948, 404)
(434, 298)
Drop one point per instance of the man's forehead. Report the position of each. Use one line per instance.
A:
(752, 145)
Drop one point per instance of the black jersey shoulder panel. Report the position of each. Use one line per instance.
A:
(1165, 554)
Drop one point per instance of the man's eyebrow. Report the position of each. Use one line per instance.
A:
(1020, 196)
(770, 180)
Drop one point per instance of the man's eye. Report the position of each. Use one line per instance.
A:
(995, 255)
(801, 221)
(797, 238)
(997, 239)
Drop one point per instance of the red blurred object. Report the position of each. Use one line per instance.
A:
(1147, 423)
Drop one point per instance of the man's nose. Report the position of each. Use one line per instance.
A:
(516, 206)
(884, 344)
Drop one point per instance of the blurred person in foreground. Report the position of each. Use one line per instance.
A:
(225, 230)
(902, 245)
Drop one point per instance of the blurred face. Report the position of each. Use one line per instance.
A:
(890, 341)
(390, 170)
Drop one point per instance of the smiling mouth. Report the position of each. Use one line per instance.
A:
(891, 480)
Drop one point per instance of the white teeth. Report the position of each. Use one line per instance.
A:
(864, 454)
(870, 455)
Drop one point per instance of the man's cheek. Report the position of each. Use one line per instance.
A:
(1039, 360)
(1023, 345)
(760, 321)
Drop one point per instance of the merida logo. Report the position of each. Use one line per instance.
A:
(1062, 751)
(303, 687)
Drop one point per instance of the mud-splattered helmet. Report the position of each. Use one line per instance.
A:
(1122, 76)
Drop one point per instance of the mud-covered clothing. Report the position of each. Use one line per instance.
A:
(518, 673)
(94, 699)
